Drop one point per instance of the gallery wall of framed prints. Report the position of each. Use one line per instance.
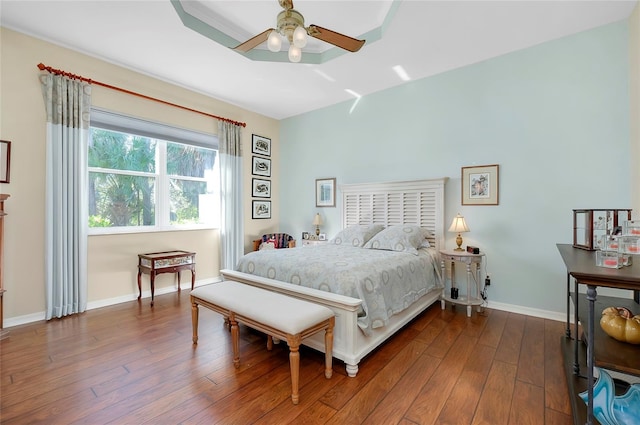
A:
(260, 170)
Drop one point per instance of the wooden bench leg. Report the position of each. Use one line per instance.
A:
(269, 343)
(194, 321)
(328, 349)
(294, 364)
(235, 340)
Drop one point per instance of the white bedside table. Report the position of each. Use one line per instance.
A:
(473, 262)
(311, 242)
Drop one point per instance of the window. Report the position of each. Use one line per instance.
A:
(146, 176)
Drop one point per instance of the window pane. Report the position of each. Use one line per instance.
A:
(117, 200)
(121, 151)
(190, 202)
(189, 161)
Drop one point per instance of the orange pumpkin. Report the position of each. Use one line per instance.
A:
(621, 324)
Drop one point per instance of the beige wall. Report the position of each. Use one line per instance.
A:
(112, 259)
(634, 110)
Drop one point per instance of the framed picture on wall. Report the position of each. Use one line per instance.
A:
(261, 209)
(261, 166)
(326, 192)
(260, 145)
(480, 185)
(5, 160)
(261, 188)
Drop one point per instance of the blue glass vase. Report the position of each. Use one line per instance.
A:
(610, 409)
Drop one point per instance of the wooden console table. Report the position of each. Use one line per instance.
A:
(155, 263)
(602, 350)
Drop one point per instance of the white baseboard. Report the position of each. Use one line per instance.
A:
(544, 314)
(35, 317)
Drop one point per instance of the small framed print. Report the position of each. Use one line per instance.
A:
(480, 185)
(322, 237)
(326, 192)
(260, 145)
(261, 166)
(261, 209)
(261, 188)
(5, 160)
(305, 235)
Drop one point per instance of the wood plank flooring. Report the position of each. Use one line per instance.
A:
(133, 364)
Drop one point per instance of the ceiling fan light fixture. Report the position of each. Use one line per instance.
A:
(300, 37)
(274, 42)
(295, 54)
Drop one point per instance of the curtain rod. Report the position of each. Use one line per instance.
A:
(54, 71)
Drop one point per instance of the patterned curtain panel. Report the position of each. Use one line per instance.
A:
(231, 218)
(67, 103)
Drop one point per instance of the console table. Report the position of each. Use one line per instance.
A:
(155, 263)
(602, 350)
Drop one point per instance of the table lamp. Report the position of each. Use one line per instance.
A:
(458, 226)
(317, 221)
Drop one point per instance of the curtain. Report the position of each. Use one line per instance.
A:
(231, 220)
(67, 104)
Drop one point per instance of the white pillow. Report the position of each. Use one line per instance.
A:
(267, 245)
(402, 237)
(356, 235)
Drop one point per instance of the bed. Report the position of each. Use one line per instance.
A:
(366, 314)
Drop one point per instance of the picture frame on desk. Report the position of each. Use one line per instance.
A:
(322, 237)
(305, 235)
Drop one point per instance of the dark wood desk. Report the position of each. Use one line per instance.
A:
(611, 354)
(155, 263)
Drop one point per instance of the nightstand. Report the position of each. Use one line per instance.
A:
(473, 263)
(312, 242)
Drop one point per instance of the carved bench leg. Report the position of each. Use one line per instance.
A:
(235, 340)
(294, 364)
(194, 321)
(328, 349)
(269, 343)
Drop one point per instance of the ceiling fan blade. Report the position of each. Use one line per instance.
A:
(253, 42)
(343, 41)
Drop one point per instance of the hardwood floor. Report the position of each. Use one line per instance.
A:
(133, 364)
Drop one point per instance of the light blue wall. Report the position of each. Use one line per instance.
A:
(555, 117)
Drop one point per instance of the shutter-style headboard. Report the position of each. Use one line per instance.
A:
(418, 202)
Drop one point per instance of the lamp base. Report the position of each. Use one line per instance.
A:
(459, 243)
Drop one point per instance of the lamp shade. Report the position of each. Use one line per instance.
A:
(317, 220)
(458, 225)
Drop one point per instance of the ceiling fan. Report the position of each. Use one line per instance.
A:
(290, 24)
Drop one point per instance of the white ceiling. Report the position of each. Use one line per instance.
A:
(424, 37)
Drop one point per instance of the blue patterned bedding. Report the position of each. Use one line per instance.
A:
(386, 281)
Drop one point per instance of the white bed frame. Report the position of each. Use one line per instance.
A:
(409, 202)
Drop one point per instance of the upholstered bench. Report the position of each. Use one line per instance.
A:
(277, 315)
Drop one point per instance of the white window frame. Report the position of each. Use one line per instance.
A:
(162, 133)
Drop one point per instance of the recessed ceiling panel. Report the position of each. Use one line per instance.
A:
(233, 22)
